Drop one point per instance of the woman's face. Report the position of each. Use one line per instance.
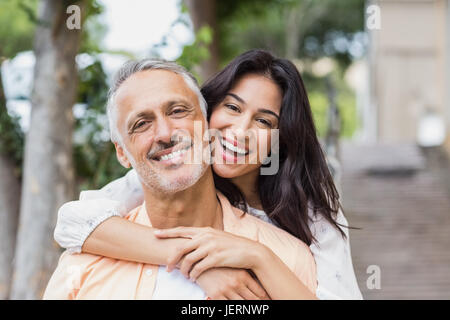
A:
(245, 118)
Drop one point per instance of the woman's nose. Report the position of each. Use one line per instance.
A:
(240, 130)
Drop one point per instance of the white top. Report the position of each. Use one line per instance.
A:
(174, 286)
(77, 219)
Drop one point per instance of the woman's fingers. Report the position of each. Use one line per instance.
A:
(257, 289)
(247, 294)
(207, 263)
(232, 295)
(191, 259)
(180, 252)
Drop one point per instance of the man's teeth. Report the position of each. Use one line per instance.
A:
(173, 154)
(231, 147)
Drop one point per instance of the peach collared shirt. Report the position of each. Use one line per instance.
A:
(86, 276)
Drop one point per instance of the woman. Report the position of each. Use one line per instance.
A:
(259, 92)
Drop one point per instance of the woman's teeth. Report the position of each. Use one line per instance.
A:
(173, 154)
(232, 148)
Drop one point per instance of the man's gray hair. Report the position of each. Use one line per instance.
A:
(131, 67)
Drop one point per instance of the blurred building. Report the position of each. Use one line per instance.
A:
(409, 73)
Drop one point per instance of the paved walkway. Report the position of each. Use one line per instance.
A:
(400, 197)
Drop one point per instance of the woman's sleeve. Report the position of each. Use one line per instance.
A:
(335, 273)
(77, 219)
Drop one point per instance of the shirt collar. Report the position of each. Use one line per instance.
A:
(231, 216)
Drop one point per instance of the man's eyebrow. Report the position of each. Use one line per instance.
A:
(236, 97)
(269, 112)
(148, 114)
(178, 101)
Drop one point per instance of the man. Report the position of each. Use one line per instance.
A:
(152, 110)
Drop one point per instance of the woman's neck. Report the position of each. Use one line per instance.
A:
(248, 184)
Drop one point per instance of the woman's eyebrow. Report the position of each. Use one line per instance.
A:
(269, 112)
(259, 110)
(236, 97)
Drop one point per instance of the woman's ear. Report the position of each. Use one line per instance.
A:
(121, 156)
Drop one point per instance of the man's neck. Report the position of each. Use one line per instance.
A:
(196, 206)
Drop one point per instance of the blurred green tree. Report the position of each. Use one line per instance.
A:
(16, 35)
(301, 30)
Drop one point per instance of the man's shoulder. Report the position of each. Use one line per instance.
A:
(273, 236)
(292, 251)
(295, 254)
(82, 261)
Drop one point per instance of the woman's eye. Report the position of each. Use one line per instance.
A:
(232, 107)
(265, 122)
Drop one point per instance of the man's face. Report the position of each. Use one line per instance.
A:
(156, 111)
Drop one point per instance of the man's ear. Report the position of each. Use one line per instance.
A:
(121, 156)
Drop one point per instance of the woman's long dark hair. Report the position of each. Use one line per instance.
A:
(303, 177)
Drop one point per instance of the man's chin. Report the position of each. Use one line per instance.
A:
(161, 166)
(173, 177)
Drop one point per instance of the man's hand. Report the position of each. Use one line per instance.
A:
(231, 284)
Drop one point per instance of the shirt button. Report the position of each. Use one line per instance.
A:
(149, 272)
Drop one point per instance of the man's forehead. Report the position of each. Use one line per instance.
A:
(153, 85)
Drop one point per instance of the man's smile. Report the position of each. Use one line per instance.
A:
(172, 155)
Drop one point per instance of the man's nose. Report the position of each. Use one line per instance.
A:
(163, 131)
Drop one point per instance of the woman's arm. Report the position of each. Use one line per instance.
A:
(121, 239)
(280, 282)
(94, 225)
(335, 274)
(78, 219)
(210, 248)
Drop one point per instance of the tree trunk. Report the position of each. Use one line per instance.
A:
(203, 13)
(299, 19)
(9, 211)
(48, 172)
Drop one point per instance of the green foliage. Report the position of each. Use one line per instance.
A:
(16, 35)
(319, 107)
(244, 25)
(16, 27)
(12, 137)
(198, 51)
(94, 155)
(319, 102)
(248, 24)
(93, 30)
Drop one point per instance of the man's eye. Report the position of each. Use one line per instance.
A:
(177, 111)
(140, 124)
(233, 107)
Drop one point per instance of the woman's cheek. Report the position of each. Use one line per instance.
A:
(215, 120)
(262, 146)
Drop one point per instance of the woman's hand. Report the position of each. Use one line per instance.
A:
(208, 248)
(231, 284)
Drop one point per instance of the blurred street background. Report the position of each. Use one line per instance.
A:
(378, 79)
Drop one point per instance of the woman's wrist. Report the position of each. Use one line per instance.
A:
(260, 255)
